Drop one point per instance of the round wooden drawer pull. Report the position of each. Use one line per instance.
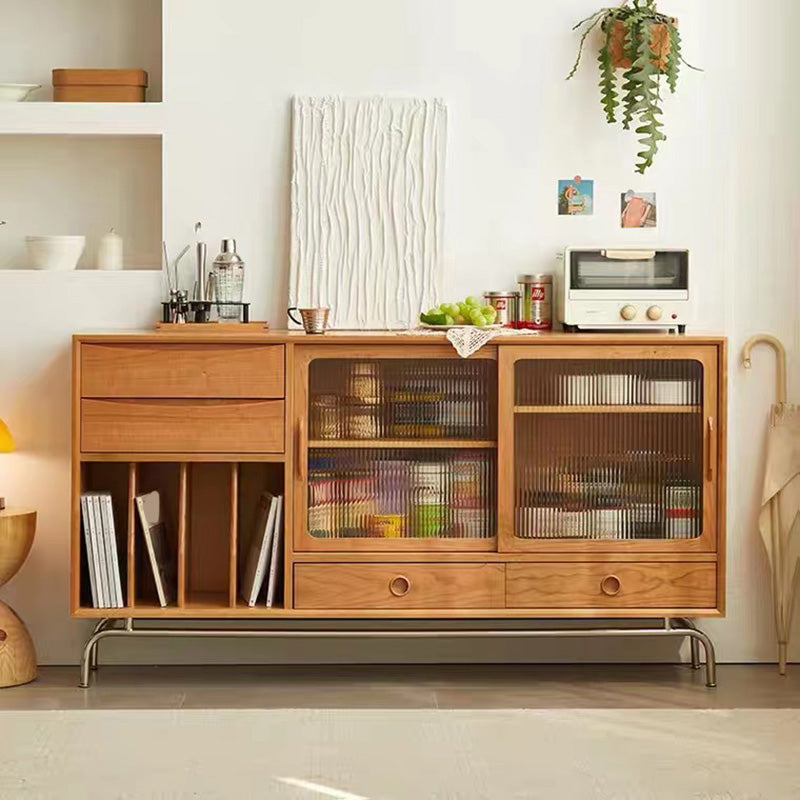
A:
(611, 585)
(400, 586)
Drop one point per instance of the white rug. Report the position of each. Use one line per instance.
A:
(401, 755)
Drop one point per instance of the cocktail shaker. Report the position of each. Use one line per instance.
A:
(228, 271)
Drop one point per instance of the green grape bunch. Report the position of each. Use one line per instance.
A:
(466, 312)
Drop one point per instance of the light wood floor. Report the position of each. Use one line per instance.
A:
(408, 687)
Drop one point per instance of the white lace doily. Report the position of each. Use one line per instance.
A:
(469, 340)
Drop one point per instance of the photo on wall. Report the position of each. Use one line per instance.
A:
(639, 209)
(575, 197)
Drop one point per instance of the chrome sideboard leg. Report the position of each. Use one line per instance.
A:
(101, 626)
(698, 637)
(103, 629)
(694, 643)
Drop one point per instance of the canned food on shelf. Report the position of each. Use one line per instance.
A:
(536, 304)
(506, 304)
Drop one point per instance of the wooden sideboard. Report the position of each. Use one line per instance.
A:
(557, 475)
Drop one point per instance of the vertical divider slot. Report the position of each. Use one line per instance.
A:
(234, 537)
(183, 524)
(133, 488)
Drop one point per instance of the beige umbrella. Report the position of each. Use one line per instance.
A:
(779, 519)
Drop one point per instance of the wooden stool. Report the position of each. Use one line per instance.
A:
(17, 653)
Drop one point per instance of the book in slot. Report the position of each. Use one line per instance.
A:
(276, 558)
(160, 553)
(102, 550)
(260, 548)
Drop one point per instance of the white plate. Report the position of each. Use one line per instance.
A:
(450, 327)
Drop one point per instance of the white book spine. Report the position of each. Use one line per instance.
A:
(109, 566)
(114, 565)
(91, 565)
(100, 549)
(99, 552)
(275, 560)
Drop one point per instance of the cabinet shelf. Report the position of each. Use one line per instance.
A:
(408, 444)
(617, 409)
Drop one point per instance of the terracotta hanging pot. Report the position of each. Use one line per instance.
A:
(660, 43)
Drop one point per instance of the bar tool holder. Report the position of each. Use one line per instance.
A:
(179, 311)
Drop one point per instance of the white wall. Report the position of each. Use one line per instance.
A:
(725, 181)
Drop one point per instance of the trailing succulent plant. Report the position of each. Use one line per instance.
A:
(647, 45)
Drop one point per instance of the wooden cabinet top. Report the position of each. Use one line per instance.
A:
(395, 337)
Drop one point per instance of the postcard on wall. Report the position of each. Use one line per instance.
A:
(639, 209)
(575, 197)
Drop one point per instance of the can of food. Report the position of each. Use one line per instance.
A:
(386, 526)
(536, 305)
(507, 306)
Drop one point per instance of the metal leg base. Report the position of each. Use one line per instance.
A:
(131, 629)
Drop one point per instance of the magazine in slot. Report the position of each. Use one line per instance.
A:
(156, 531)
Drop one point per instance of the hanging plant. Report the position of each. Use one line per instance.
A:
(647, 46)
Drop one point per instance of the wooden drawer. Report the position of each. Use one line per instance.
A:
(182, 426)
(399, 586)
(182, 370)
(612, 585)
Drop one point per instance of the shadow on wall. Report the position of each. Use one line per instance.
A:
(40, 409)
(282, 207)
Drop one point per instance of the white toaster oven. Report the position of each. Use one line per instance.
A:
(623, 288)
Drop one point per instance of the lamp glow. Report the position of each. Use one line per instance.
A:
(6, 440)
(6, 446)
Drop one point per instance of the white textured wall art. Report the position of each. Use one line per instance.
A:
(367, 208)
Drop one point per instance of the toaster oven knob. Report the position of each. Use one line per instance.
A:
(655, 313)
(628, 312)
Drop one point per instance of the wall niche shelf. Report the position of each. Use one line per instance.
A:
(81, 185)
(82, 34)
(124, 119)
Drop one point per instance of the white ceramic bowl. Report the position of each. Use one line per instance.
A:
(55, 252)
(17, 92)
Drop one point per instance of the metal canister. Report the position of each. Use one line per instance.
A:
(507, 306)
(536, 305)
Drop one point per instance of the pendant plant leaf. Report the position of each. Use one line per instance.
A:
(608, 81)
(593, 21)
(645, 29)
(646, 76)
(633, 92)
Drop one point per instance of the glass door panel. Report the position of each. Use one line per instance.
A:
(400, 452)
(609, 450)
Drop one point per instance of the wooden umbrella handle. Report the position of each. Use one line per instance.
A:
(780, 352)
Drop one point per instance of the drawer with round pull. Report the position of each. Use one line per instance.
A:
(665, 584)
(401, 586)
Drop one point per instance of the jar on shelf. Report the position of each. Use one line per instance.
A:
(362, 421)
(364, 382)
(429, 500)
(326, 422)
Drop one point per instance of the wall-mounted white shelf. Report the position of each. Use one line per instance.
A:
(111, 119)
(43, 35)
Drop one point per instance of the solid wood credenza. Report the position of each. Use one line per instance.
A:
(550, 476)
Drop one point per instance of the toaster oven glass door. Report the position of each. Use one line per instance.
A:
(608, 269)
